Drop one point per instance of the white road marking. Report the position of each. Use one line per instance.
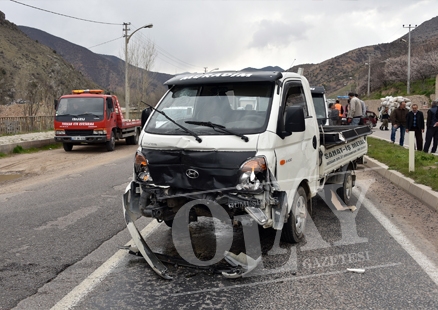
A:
(79, 292)
(425, 263)
(69, 219)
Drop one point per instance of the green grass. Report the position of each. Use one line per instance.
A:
(397, 158)
(20, 150)
(417, 87)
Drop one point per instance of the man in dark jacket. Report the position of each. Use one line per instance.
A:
(398, 120)
(415, 122)
(432, 128)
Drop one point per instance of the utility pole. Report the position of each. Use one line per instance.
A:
(126, 29)
(369, 75)
(127, 37)
(408, 90)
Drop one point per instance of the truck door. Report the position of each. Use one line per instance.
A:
(297, 154)
(110, 116)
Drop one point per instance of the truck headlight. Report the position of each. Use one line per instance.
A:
(252, 173)
(99, 132)
(60, 132)
(141, 168)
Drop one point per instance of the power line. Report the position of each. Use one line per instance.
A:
(86, 20)
(105, 42)
(168, 55)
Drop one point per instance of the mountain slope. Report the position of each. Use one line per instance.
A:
(32, 71)
(349, 71)
(108, 71)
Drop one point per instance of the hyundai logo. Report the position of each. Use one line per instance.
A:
(192, 173)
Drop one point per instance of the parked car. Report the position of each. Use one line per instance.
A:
(369, 119)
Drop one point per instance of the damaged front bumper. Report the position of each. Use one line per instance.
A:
(241, 264)
(130, 202)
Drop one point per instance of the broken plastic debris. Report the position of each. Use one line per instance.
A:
(356, 270)
(243, 261)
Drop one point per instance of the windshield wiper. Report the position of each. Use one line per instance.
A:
(218, 126)
(179, 125)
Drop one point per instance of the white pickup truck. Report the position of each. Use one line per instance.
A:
(248, 143)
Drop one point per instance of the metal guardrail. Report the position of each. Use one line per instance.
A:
(24, 124)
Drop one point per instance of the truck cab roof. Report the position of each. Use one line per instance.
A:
(225, 76)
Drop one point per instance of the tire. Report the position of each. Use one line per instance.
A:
(132, 140)
(67, 147)
(111, 144)
(293, 230)
(169, 223)
(347, 187)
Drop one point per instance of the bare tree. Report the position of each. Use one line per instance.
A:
(27, 93)
(141, 57)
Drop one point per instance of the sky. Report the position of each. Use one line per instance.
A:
(208, 35)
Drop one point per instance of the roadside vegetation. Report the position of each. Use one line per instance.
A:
(20, 150)
(397, 158)
(418, 87)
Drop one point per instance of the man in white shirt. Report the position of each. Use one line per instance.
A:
(355, 111)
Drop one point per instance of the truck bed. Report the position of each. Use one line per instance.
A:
(331, 136)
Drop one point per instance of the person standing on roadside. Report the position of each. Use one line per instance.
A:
(415, 122)
(333, 114)
(385, 119)
(432, 128)
(398, 120)
(355, 110)
(338, 106)
(364, 108)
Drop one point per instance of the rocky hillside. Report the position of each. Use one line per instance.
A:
(106, 70)
(349, 71)
(31, 71)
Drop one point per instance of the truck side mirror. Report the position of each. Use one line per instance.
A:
(56, 103)
(109, 103)
(294, 120)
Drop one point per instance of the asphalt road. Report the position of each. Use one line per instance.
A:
(55, 223)
(62, 249)
(311, 275)
(386, 134)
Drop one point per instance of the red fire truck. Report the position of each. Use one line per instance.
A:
(92, 117)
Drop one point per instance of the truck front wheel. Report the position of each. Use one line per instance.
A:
(67, 147)
(111, 143)
(293, 230)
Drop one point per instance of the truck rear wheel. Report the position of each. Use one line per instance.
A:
(132, 140)
(111, 144)
(67, 147)
(347, 187)
(293, 230)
